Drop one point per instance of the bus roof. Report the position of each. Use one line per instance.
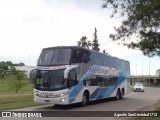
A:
(59, 47)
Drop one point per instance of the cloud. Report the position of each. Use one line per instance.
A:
(28, 26)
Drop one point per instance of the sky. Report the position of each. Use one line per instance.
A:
(28, 26)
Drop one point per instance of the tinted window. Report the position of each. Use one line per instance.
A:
(72, 78)
(127, 66)
(77, 56)
(98, 59)
(118, 63)
(123, 64)
(92, 58)
(113, 80)
(106, 60)
(45, 57)
(56, 80)
(50, 80)
(100, 81)
(113, 62)
(54, 57)
(90, 81)
(61, 56)
(86, 56)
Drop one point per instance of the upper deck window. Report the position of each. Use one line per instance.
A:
(55, 57)
(77, 56)
(61, 56)
(80, 56)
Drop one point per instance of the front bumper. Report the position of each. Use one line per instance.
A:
(138, 90)
(59, 100)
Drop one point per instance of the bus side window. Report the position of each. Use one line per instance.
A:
(72, 78)
(90, 81)
(113, 80)
(101, 82)
(86, 56)
(77, 56)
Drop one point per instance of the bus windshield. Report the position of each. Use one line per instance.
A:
(54, 57)
(50, 80)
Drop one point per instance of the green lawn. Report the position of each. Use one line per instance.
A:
(5, 87)
(17, 101)
(9, 99)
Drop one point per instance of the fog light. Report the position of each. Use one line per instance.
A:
(62, 100)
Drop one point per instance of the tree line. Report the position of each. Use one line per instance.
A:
(4, 65)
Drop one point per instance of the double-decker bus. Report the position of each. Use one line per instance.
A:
(72, 74)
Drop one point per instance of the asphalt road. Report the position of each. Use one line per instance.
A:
(134, 101)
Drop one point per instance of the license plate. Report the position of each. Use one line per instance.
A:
(47, 100)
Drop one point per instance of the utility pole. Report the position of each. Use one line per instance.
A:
(29, 60)
(136, 72)
(149, 73)
(142, 68)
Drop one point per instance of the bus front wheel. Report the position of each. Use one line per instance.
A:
(85, 98)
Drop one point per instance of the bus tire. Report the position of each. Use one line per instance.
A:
(122, 93)
(118, 95)
(85, 98)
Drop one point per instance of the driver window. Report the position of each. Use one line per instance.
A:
(39, 78)
(72, 78)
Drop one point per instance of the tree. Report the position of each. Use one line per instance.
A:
(1, 75)
(158, 72)
(19, 64)
(142, 20)
(95, 44)
(4, 65)
(17, 83)
(84, 42)
(104, 51)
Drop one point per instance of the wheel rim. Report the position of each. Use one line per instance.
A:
(117, 95)
(121, 94)
(84, 100)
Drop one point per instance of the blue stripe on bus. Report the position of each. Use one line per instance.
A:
(98, 93)
(112, 88)
(109, 91)
(74, 92)
(105, 93)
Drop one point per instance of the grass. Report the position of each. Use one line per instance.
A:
(9, 99)
(13, 102)
(5, 88)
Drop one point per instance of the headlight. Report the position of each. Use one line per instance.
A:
(62, 94)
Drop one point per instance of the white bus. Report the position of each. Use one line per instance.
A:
(72, 74)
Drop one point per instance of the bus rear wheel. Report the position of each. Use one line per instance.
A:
(85, 99)
(122, 93)
(118, 94)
